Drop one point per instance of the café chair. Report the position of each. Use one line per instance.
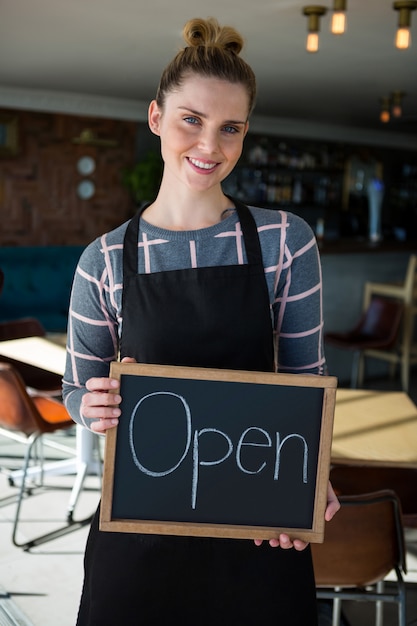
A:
(406, 353)
(378, 329)
(363, 543)
(20, 328)
(348, 479)
(26, 419)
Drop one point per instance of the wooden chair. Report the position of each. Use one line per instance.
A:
(26, 419)
(362, 544)
(359, 478)
(377, 329)
(405, 353)
(19, 328)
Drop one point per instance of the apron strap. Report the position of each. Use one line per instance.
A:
(249, 230)
(130, 246)
(250, 233)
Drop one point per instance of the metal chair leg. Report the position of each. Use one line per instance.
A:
(379, 605)
(69, 527)
(31, 442)
(337, 610)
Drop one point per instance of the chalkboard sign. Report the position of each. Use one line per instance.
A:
(219, 453)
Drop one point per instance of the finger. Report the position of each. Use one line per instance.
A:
(100, 412)
(284, 541)
(299, 545)
(95, 399)
(332, 509)
(128, 359)
(274, 543)
(101, 384)
(333, 504)
(100, 426)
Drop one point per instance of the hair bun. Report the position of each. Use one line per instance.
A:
(209, 33)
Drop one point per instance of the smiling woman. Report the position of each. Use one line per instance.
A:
(199, 280)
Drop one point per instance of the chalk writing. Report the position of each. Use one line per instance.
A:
(143, 469)
(246, 440)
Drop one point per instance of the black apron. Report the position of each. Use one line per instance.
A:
(206, 317)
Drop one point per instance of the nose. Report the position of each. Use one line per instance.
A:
(209, 141)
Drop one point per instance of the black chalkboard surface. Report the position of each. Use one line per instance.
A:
(218, 453)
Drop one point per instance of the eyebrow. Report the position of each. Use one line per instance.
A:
(204, 116)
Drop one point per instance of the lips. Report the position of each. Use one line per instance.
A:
(202, 165)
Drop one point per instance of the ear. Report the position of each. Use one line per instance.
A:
(154, 117)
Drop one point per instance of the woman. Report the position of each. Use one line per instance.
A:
(199, 280)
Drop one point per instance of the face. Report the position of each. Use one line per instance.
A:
(201, 126)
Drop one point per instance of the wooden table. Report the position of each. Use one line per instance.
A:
(379, 427)
(49, 354)
(40, 352)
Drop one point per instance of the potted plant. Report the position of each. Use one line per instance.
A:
(142, 179)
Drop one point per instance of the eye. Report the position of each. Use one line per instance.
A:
(190, 119)
(230, 129)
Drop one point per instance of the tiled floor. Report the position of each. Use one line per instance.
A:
(44, 582)
(41, 587)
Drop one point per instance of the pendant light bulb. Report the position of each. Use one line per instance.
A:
(312, 44)
(403, 36)
(338, 23)
(384, 115)
(396, 110)
(396, 103)
(313, 12)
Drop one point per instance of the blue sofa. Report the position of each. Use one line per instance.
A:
(37, 283)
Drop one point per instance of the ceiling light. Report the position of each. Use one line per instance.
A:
(384, 115)
(338, 24)
(403, 36)
(396, 103)
(313, 12)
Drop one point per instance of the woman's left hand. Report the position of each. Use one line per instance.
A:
(333, 505)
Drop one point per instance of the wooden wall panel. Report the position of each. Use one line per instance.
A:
(39, 204)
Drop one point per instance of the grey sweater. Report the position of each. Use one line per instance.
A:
(292, 271)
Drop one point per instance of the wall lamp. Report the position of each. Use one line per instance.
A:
(338, 23)
(313, 12)
(403, 36)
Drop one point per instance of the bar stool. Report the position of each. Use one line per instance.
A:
(406, 354)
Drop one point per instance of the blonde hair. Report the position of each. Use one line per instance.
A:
(211, 51)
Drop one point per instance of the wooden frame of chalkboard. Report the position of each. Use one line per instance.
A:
(218, 453)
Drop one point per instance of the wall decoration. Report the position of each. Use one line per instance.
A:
(8, 136)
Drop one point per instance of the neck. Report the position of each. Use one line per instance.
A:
(187, 211)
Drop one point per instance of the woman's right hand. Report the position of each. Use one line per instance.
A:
(101, 402)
